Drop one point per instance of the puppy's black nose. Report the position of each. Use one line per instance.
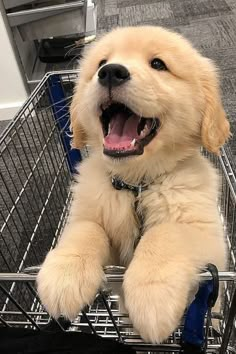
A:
(112, 75)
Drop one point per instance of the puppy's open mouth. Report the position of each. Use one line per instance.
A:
(126, 133)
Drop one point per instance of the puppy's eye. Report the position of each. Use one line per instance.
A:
(158, 64)
(102, 62)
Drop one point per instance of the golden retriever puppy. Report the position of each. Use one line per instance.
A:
(145, 102)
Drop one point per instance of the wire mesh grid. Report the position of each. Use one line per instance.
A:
(35, 180)
(35, 196)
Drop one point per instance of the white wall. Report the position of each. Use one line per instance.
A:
(91, 18)
(12, 89)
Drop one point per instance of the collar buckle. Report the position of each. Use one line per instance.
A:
(118, 184)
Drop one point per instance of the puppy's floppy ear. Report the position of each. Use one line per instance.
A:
(79, 136)
(215, 128)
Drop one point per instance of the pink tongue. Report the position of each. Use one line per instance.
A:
(122, 131)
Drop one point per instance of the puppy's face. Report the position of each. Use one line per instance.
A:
(143, 91)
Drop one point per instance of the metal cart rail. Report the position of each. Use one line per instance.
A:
(37, 167)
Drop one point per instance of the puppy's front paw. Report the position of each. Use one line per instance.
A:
(67, 282)
(155, 306)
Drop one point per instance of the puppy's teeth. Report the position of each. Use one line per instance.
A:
(133, 142)
(143, 132)
(103, 141)
(154, 124)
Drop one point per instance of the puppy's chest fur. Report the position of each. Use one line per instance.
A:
(128, 217)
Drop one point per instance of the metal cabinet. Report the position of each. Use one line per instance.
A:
(32, 21)
(44, 19)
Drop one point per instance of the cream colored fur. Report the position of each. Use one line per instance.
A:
(183, 230)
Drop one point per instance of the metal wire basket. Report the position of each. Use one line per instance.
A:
(36, 172)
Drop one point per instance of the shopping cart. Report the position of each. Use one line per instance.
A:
(37, 168)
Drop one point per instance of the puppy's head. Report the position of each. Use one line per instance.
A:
(146, 90)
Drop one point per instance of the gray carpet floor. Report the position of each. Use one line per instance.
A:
(209, 24)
